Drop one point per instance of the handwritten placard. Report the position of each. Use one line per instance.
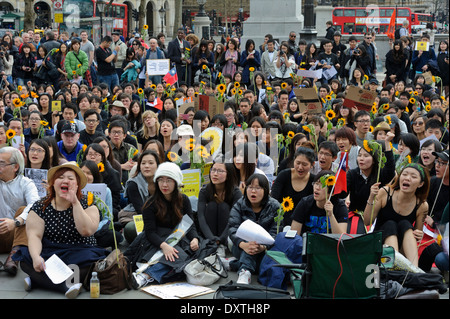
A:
(158, 66)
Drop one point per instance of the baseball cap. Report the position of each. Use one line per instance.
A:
(69, 127)
(442, 155)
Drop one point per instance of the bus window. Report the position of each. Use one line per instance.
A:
(382, 13)
(338, 13)
(360, 28)
(117, 15)
(338, 28)
(361, 13)
(413, 17)
(402, 13)
(389, 12)
(383, 28)
(349, 27)
(122, 13)
(349, 13)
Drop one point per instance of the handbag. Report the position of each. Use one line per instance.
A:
(206, 271)
(113, 272)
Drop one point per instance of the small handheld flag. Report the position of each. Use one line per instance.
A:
(171, 77)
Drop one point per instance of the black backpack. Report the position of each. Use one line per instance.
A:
(397, 34)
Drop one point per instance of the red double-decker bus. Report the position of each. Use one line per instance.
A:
(358, 20)
(81, 15)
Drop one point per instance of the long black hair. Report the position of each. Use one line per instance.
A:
(230, 184)
(263, 182)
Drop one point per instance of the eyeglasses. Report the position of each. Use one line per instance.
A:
(167, 181)
(94, 154)
(229, 116)
(254, 188)
(218, 171)
(325, 154)
(363, 121)
(418, 123)
(34, 119)
(440, 163)
(2, 165)
(36, 150)
(90, 121)
(419, 88)
(116, 132)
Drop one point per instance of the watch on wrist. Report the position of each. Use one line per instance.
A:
(17, 222)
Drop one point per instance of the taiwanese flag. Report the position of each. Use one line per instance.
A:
(341, 175)
(171, 77)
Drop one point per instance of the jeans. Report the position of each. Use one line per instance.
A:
(441, 261)
(245, 261)
(157, 271)
(156, 79)
(112, 80)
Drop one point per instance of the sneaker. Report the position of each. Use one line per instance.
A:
(226, 262)
(221, 251)
(74, 291)
(27, 283)
(245, 277)
(140, 280)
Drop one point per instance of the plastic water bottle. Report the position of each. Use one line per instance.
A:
(95, 286)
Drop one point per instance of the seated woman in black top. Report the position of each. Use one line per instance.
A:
(359, 180)
(295, 182)
(312, 211)
(215, 201)
(400, 205)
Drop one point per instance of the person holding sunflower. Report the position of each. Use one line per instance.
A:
(76, 62)
(203, 62)
(250, 58)
(295, 182)
(38, 127)
(320, 212)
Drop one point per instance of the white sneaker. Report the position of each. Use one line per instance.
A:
(245, 277)
(226, 262)
(140, 280)
(74, 291)
(27, 283)
(221, 250)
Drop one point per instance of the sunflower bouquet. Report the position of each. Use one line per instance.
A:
(80, 154)
(221, 89)
(286, 206)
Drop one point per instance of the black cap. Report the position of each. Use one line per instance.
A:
(442, 155)
(69, 127)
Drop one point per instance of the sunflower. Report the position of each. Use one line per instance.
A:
(104, 100)
(428, 107)
(366, 77)
(84, 147)
(371, 129)
(136, 152)
(79, 66)
(330, 181)
(44, 123)
(306, 128)
(204, 66)
(33, 95)
(416, 93)
(328, 97)
(237, 84)
(10, 134)
(90, 198)
(101, 167)
(17, 102)
(240, 92)
(367, 146)
(140, 91)
(252, 69)
(153, 86)
(172, 156)
(284, 85)
(221, 88)
(268, 88)
(396, 93)
(374, 109)
(330, 114)
(385, 106)
(190, 145)
(388, 119)
(433, 79)
(24, 96)
(412, 100)
(74, 72)
(286, 116)
(290, 134)
(408, 158)
(287, 204)
(342, 121)
(233, 91)
(145, 27)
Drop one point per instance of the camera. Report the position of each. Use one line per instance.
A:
(357, 51)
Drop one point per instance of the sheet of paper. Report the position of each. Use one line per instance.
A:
(251, 231)
(57, 270)
(329, 73)
(177, 290)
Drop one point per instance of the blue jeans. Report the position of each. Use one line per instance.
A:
(245, 261)
(157, 271)
(156, 79)
(441, 261)
(112, 80)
